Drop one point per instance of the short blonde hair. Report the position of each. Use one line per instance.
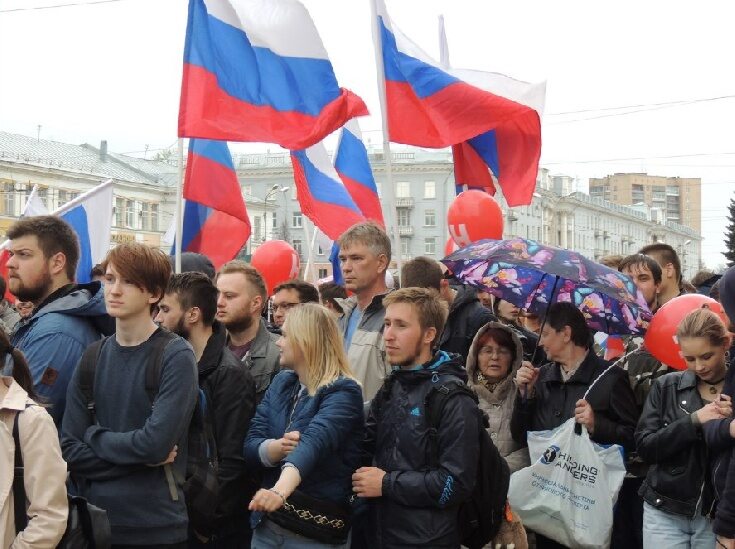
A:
(251, 274)
(313, 329)
(704, 323)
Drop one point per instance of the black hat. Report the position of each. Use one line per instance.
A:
(194, 262)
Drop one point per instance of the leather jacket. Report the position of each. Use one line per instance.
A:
(672, 443)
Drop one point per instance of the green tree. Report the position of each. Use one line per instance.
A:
(729, 252)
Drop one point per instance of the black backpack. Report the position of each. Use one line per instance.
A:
(201, 487)
(481, 515)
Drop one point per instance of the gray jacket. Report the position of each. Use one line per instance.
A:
(366, 354)
(263, 359)
(498, 404)
(9, 317)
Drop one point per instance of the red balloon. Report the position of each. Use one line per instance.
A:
(660, 339)
(474, 215)
(450, 247)
(277, 261)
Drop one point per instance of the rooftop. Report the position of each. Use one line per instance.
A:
(84, 159)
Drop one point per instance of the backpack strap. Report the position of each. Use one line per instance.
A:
(434, 403)
(19, 490)
(87, 370)
(161, 337)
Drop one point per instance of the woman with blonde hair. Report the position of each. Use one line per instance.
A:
(677, 493)
(34, 508)
(306, 437)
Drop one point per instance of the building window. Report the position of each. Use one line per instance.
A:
(323, 273)
(297, 247)
(430, 246)
(145, 216)
(405, 247)
(257, 228)
(430, 218)
(296, 220)
(319, 251)
(43, 195)
(293, 193)
(119, 211)
(404, 218)
(63, 197)
(429, 189)
(403, 189)
(154, 217)
(274, 224)
(248, 189)
(9, 199)
(130, 214)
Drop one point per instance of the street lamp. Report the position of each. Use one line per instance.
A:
(276, 188)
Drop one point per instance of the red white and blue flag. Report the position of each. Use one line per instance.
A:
(322, 195)
(353, 166)
(256, 70)
(493, 119)
(216, 221)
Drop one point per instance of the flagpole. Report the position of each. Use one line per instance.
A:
(179, 208)
(390, 193)
(308, 271)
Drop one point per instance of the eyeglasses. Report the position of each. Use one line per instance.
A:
(284, 306)
(500, 352)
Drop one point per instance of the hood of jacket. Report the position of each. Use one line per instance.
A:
(464, 296)
(85, 300)
(472, 367)
(442, 363)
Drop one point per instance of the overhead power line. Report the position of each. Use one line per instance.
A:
(55, 6)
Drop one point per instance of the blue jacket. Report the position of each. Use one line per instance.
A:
(331, 424)
(54, 338)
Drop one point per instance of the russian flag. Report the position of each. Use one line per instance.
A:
(90, 215)
(353, 167)
(256, 70)
(216, 221)
(431, 106)
(322, 196)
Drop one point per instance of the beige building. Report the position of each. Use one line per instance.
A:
(675, 199)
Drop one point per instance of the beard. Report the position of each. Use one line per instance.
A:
(35, 292)
(240, 324)
(181, 330)
(410, 360)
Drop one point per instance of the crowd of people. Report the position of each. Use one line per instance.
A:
(308, 407)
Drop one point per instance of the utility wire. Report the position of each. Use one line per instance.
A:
(68, 5)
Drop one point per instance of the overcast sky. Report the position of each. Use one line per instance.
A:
(112, 70)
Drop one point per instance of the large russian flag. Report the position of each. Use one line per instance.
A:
(353, 167)
(322, 196)
(216, 221)
(256, 70)
(431, 106)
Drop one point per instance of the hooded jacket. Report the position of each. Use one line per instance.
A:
(466, 316)
(419, 504)
(55, 336)
(498, 404)
(230, 392)
(44, 478)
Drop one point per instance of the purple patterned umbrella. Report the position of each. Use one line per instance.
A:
(533, 276)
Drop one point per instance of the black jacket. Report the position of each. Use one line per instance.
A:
(230, 392)
(419, 504)
(466, 316)
(611, 399)
(720, 446)
(673, 445)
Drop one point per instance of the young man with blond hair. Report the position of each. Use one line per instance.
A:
(126, 447)
(414, 502)
(241, 295)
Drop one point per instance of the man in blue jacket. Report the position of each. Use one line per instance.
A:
(67, 317)
(415, 503)
(128, 455)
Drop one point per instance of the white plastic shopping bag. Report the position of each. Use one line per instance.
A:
(568, 492)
